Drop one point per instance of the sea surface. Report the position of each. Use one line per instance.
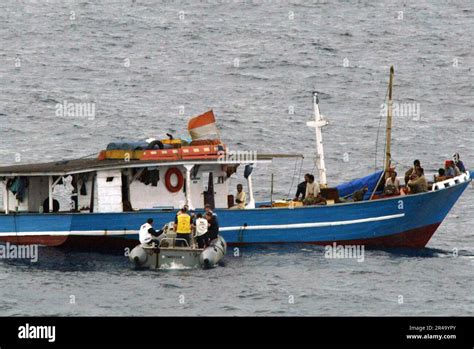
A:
(148, 66)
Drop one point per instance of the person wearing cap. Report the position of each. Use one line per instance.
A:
(450, 169)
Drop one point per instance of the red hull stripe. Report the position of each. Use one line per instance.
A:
(414, 238)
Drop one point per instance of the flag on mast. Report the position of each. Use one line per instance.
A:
(203, 126)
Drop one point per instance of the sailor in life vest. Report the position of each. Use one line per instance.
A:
(182, 227)
(147, 234)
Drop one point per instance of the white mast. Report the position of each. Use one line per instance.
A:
(318, 123)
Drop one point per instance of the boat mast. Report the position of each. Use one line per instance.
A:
(388, 141)
(388, 154)
(318, 123)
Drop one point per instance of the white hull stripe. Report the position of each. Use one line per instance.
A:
(235, 228)
(314, 225)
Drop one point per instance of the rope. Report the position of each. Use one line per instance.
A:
(294, 175)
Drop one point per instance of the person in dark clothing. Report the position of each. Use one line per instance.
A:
(459, 164)
(213, 229)
(301, 189)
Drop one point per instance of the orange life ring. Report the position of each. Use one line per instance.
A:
(174, 188)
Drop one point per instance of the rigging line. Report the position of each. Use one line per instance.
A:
(301, 168)
(378, 134)
(293, 179)
(82, 157)
(86, 156)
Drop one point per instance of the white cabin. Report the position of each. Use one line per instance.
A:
(91, 185)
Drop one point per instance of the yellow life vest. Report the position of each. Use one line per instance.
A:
(184, 224)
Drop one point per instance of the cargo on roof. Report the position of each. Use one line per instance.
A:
(74, 166)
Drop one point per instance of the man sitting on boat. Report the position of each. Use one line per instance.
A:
(441, 176)
(182, 227)
(392, 185)
(417, 182)
(301, 189)
(313, 193)
(451, 169)
(458, 163)
(147, 234)
(240, 199)
(416, 165)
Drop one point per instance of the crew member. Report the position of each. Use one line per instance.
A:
(182, 227)
(213, 229)
(301, 189)
(240, 199)
(147, 234)
(201, 231)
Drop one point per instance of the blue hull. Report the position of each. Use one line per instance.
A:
(403, 221)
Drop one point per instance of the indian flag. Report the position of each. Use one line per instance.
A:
(203, 126)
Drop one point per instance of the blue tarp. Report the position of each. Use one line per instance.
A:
(370, 181)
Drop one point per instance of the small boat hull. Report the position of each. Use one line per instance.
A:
(152, 257)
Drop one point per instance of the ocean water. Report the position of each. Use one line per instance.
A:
(147, 66)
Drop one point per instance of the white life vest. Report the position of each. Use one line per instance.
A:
(201, 226)
(144, 236)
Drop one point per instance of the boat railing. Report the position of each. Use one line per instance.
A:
(172, 241)
(464, 177)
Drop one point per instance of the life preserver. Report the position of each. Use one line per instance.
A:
(174, 188)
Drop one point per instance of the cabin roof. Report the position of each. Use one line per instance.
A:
(74, 166)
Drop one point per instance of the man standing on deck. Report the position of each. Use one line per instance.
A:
(182, 227)
(213, 230)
